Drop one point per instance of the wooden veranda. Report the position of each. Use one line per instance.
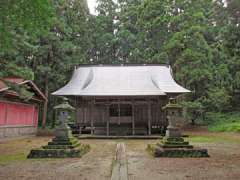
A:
(121, 115)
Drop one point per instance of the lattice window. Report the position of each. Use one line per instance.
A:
(120, 110)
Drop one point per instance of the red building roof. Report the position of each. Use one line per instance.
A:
(16, 80)
(19, 81)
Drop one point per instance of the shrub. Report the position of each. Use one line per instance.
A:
(223, 122)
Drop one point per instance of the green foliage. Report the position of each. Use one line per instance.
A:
(193, 110)
(11, 69)
(45, 39)
(23, 16)
(226, 127)
(103, 27)
(223, 122)
(218, 99)
(22, 91)
(199, 39)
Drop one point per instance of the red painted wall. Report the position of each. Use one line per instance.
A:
(2, 113)
(18, 114)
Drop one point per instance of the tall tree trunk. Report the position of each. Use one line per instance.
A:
(44, 117)
(54, 115)
(45, 108)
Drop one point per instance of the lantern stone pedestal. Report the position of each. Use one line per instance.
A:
(64, 144)
(173, 145)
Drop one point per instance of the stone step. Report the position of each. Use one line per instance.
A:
(61, 146)
(175, 143)
(63, 142)
(176, 146)
(59, 153)
(120, 131)
(158, 151)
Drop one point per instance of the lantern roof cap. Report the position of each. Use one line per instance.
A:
(64, 105)
(172, 104)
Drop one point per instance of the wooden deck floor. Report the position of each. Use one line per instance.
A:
(118, 137)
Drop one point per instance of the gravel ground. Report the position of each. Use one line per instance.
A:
(224, 162)
(95, 165)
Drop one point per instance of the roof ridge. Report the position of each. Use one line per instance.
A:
(123, 64)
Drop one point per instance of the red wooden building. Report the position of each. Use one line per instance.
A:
(17, 116)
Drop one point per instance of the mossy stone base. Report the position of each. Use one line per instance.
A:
(60, 148)
(59, 153)
(63, 145)
(158, 151)
(175, 147)
(169, 142)
(68, 143)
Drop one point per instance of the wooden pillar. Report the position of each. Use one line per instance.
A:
(77, 110)
(157, 113)
(84, 112)
(119, 113)
(81, 120)
(92, 116)
(149, 118)
(164, 115)
(103, 114)
(133, 119)
(107, 116)
(80, 130)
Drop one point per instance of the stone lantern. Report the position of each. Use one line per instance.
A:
(63, 131)
(173, 144)
(174, 112)
(64, 144)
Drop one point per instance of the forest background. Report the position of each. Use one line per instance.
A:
(43, 40)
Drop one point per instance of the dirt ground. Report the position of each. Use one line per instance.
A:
(95, 165)
(224, 162)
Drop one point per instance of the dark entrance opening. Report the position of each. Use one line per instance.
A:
(120, 119)
(121, 110)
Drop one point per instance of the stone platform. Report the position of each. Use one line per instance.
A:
(175, 147)
(83, 136)
(60, 148)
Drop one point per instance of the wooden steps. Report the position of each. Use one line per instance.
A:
(120, 131)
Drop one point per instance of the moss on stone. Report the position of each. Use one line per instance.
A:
(177, 153)
(175, 147)
(59, 153)
(60, 148)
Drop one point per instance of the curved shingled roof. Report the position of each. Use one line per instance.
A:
(122, 80)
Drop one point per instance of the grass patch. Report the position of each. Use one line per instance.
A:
(224, 122)
(17, 149)
(9, 158)
(226, 127)
(216, 138)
